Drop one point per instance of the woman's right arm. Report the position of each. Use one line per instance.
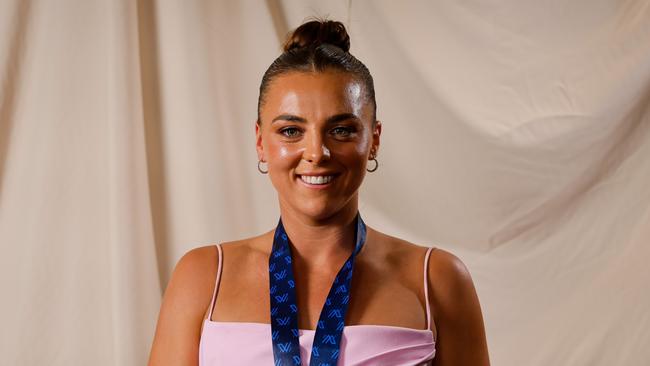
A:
(176, 341)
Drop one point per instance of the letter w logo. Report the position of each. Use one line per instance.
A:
(329, 339)
(284, 321)
(280, 275)
(284, 347)
(282, 298)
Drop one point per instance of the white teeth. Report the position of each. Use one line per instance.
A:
(320, 179)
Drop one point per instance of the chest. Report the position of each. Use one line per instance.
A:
(380, 295)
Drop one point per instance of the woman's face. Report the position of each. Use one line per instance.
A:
(316, 127)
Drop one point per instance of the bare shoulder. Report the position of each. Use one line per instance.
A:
(196, 270)
(444, 269)
(457, 312)
(196, 261)
(191, 283)
(197, 267)
(201, 261)
(447, 271)
(452, 287)
(176, 339)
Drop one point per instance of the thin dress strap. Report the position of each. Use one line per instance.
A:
(426, 285)
(218, 280)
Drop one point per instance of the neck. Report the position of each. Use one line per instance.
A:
(322, 243)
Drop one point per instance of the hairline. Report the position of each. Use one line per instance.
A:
(314, 71)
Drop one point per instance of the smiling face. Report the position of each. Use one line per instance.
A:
(316, 133)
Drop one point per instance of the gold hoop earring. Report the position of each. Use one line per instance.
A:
(376, 166)
(260, 169)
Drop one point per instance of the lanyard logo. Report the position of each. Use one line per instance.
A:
(284, 311)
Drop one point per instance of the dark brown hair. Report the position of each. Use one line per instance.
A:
(317, 46)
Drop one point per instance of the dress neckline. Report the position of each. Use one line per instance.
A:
(354, 326)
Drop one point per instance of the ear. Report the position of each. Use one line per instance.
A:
(375, 140)
(258, 141)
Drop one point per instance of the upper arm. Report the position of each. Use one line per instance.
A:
(457, 313)
(189, 291)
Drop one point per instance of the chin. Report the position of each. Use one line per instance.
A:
(319, 211)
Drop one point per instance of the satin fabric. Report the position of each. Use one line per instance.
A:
(235, 343)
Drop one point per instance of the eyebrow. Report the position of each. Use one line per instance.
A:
(333, 119)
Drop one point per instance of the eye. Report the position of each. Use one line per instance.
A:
(290, 131)
(343, 131)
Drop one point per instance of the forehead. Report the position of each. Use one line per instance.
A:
(315, 93)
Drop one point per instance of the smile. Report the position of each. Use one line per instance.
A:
(317, 181)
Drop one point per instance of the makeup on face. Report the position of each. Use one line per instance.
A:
(316, 136)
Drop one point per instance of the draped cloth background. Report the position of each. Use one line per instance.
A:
(516, 135)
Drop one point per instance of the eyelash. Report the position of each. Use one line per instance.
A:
(349, 130)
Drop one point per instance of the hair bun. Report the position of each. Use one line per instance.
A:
(317, 32)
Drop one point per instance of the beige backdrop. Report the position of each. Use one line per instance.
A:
(516, 135)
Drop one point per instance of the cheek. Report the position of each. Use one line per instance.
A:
(352, 155)
(362, 148)
(284, 152)
(282, 155)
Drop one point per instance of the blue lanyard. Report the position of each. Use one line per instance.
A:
(284, 309)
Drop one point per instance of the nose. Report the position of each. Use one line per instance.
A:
(315, 150)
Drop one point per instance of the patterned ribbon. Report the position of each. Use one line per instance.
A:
(284, 308)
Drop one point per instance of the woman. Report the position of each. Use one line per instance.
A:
(322, 288)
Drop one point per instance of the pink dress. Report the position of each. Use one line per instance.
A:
(240, 343)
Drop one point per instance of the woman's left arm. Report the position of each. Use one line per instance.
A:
(460, 339)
